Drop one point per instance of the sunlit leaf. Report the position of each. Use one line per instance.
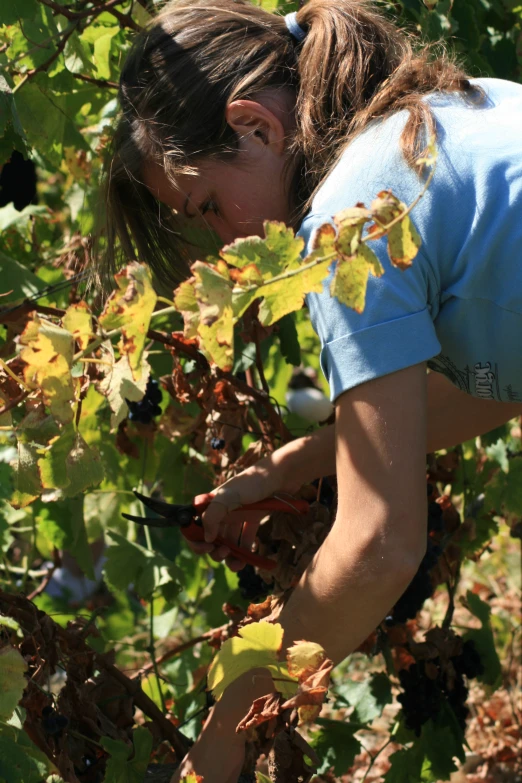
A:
(130, 309)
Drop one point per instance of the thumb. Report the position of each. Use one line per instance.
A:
(222, 502)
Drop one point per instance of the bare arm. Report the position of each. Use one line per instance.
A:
(452, 417)
(379, 536)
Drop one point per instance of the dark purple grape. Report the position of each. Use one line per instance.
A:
(148, 407)
(251, 585)
(52, 722)
(421, 698)
(217, 443)
(468, 662)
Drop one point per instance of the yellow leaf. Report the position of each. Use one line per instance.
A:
(48, 357)
(256, 646)
(403, 243)
(218, 339)
(351, 277)
(304, 658)
(403, 238)
(130, 309)
(78, 321)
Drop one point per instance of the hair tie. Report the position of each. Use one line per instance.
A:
(294, 28)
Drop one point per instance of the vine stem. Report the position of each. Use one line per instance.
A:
(331, 256)
(113, 333)
(13, 375)
(151, 647)
(374, 758)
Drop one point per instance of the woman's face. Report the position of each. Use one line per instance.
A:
(236, 196)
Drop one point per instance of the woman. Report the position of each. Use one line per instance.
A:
(232, 116)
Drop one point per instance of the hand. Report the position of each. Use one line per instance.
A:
(224, 516)
(219, 752)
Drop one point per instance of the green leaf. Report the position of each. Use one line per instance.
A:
(20, 760)
(406, 766)
(63, 525)
(484, 640)
(499, 453)
(84, 467)
(368, 697)
(17, 281)
(12, 680)
(335, 744)
(9, 216)
(120, 768)
(504, 491)
(43, 115)
(102, 50)
(131, 563)
(288, 339)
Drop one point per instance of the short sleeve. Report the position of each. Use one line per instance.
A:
(394, 331)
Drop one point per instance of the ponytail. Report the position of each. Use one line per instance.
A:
(353, 66)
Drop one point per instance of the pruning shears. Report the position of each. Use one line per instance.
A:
(188, 518)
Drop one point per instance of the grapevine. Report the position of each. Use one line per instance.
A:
(99, 397)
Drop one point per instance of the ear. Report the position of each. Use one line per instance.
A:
(255, 122)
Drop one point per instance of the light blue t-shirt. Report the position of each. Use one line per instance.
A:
(459, 306)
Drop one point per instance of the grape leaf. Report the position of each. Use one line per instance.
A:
(12, 680)
(406, 766)
(256, 646)
(403, 238)
(130, 309)
(504, 491)
(21, 761)
(351, 277)
(128, 563)
(121, 769)
(120, 385)
(484, 640)
(368, 697)
(63, 525)
(17, 281)
(78, 321)
(289, 340)
(48, 356)
(27, 478)
(335, 744)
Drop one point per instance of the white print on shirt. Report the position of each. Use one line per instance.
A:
(484, 380)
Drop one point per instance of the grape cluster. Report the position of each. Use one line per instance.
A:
(149, 406)
(251, 585)
(217, 443)
(419, 589)
(423, 696)
(52, 722)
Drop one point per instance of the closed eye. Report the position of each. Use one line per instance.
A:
(209, 206)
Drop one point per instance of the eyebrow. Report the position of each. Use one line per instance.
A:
(187, 214)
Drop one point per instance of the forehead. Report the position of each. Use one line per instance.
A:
(161, 187)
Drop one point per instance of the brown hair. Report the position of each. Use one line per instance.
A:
(353, 66)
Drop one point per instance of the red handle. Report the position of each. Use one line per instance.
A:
(196, 533)
(292, 505)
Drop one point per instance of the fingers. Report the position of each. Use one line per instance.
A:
(224, 501)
